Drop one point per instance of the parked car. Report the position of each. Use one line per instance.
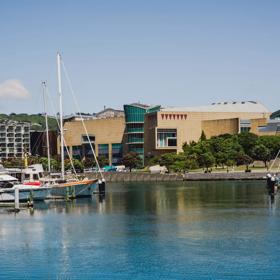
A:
(109, 168)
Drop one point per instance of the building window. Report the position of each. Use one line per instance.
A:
(103, 150)
(85, 138)
(166, 138)
(117, 152)
(245, 125)
(77, 152)
(135, 138)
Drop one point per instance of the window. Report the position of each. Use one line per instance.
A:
(77, 152)
(87, 151)
(166, 138)
(85, 138)
(116, 153)
(103, 150)
(245, 125)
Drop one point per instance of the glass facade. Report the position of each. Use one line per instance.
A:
(77, 152)
(87, 151)
(117, 153)
(135, 138)
(166, 138)
(103, 150)
(134, 118)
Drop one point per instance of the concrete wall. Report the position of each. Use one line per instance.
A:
(217, 127)
(106, 131)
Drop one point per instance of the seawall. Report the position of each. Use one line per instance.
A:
(224, 176)
(136, 177)
(147, 177)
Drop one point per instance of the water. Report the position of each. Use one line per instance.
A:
(198, 230)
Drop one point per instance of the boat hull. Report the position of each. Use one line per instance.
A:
(28, 194)
(72, 190)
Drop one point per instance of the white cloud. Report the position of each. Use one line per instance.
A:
(13, 89)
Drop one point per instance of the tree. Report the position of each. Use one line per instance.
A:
(78, 165)
(206, 160)
(12, 162)
(202, 136)
(54, 163)
(261, 152)
(89, 162)
(247, 140)
(103, 161)
(271, 142)
(132, 160)
(243, 159)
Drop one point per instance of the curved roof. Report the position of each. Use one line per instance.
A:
(223, 107)
(275, 115)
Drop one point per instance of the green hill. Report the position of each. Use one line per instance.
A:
(37, 120)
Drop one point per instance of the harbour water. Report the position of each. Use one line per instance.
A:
(179, 230)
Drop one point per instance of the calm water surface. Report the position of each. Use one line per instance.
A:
(201, 230)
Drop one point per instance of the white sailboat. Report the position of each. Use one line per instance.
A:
(63, 187)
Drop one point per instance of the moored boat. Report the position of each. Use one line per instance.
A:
(9, 184)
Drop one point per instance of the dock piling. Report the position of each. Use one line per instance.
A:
(17, 199)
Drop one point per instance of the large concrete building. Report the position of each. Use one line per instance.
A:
(152, 130)
(169, 128)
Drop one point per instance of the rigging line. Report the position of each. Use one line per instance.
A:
(64, 142)
(80, 115)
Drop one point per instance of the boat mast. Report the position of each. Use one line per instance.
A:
(44, 85)
(60, 115)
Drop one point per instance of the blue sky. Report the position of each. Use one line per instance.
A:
(173, 53)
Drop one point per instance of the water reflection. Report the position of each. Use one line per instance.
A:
(148, 231)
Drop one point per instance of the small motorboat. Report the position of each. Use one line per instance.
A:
(9, 184)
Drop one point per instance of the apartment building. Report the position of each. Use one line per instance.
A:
(14, 139)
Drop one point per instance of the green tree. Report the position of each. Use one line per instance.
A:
(89, 162)
(103, 161)
(132, 160)
(202, 136)
(206, 160)
(55, 165)
(262, 153)
(12, 162)
(248, 141)
(271, 142)
(243, 159)
(78, 165)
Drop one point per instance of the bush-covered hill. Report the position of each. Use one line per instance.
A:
(37, 120)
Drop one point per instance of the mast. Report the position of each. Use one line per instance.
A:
(44, 85)
(60, 115)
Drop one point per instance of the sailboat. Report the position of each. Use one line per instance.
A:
(69, 187)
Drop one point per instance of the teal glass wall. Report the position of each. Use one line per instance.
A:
(134, 114)
(134, 118)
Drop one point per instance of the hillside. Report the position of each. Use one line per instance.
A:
(37, 120)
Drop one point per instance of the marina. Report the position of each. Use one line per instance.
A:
(163, 230)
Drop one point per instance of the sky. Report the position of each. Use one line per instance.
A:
(172, 53)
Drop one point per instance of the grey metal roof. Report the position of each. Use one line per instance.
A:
(244, 106)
